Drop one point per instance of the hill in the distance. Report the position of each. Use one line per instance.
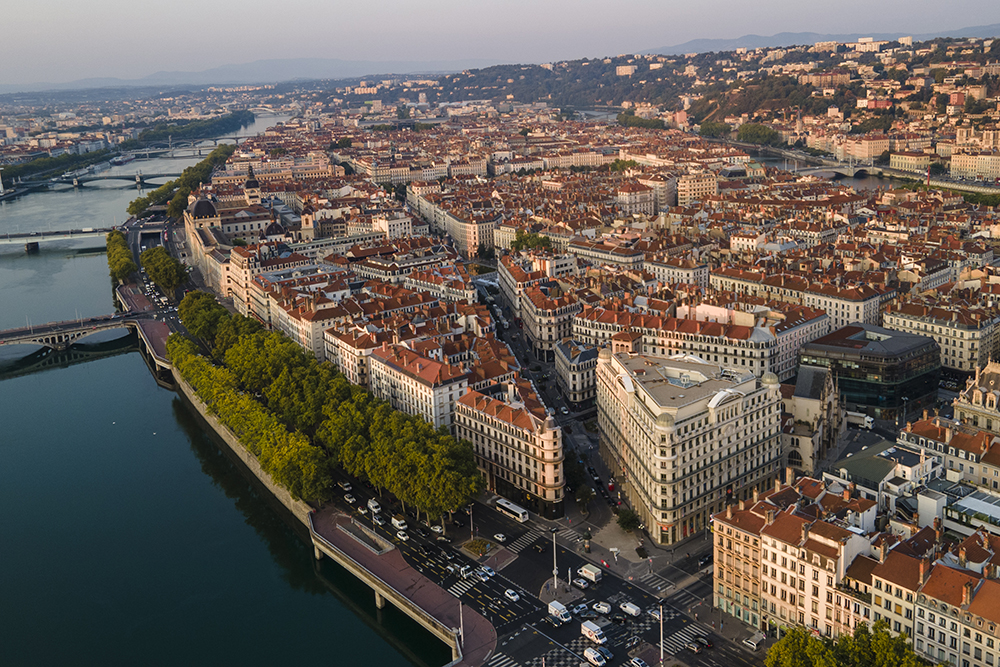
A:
(265, 71)
(795, 38)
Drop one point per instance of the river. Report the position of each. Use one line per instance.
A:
(128, 535)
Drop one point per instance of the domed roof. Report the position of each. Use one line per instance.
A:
(664, 420)
(203, 208)
(605, 353)
(770, 378)
(251, 183)
(274, 229)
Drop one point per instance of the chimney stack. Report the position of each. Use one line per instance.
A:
(789, 476)
(742, 504)
(947, 435)
(961, 557)
(966, 593)
(847, 495)
(923, 571)
(937, 530)
(777, 485)
(729, 511)
(925, 414)
(805, 532)
(756, 495)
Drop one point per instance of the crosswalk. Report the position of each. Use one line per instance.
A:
(684, 598)
(460, 587)
(518, 545)
(654, 581)
(502, 660)
(676, 641)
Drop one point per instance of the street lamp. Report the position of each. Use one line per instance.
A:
(555, 569)
(661, 632)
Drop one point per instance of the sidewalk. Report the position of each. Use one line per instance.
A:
(724, 625)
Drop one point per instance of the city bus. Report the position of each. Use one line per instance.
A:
(513, 511)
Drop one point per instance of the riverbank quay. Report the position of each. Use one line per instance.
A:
(471, 637)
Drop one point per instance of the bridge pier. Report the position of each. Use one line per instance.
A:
(31, 247)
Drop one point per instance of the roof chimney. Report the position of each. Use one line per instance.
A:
(789, 476)
(961, 557)
(923, 570)
(770, 516)
(743, 504)
(966, 593)
(777, 485)
(881, 551)
(925, 414)
(805, 532)
(847, 495)
(947, 435)
(729, 511)
(756, 495)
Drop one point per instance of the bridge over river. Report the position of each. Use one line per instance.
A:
(32, 239)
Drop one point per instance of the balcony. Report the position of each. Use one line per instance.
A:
(857, 595)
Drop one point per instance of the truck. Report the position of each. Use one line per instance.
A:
(559, 610)
(590, 572)
(860, 419)
(593, 632)
(399, 522)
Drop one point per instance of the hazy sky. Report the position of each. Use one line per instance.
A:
(64, 40)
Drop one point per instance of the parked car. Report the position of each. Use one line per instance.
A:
(437, 529)
(582, 584)
(606, 652)
(637, 662)
(602, 607)
(578, 609)
(617, 617)
(346, 486)
(588, 615)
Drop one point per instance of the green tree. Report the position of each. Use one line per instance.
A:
(868, 647)
(711, 129)
(620, 166)
(756, 133)
(120, 262)
(402, 112)
(201, 314)
(530, 241)
(584, 496)
(162, 269)
(628, 520)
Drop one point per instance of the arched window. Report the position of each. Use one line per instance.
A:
(794, 459)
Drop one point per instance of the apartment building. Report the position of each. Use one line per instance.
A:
(635, 198)
(736, 559)
(548, 319)
(676, 270)
(912, 162)
(752, 348)
(696, 187)
(576, 366)
(683, 437)
(417, 385)
(803, 562)
(978, 403)
(968, 337)
(601, 252)
(517, 446)
(517, 272)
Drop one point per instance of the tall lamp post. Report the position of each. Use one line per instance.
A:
(661, 632)
(555, 569)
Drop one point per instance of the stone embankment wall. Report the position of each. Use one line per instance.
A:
(298, 508)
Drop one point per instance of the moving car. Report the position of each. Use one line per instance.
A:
(582, 584)
(378, 520)
(511, 595)
(488, 571)
(350, 499)
(437, 529)
(637, 662)
(500, 537)
(630, 609)
(693, 647)
(594, 657)
(606, 652)
(704, 641)
(602, 607)
(402, 535)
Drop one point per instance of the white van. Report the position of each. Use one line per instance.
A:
(374, 506)
(753, 643)
(399, 522)
(630, 609)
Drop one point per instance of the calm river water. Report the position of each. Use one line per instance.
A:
(126, 535)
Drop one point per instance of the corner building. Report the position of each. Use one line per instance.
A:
(685, 437)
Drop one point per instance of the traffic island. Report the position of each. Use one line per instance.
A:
(478, 548)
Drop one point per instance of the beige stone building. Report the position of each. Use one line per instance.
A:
(684, 436)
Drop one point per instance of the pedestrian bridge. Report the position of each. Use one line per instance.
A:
(60, 335)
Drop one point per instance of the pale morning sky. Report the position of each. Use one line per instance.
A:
(64, 40)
